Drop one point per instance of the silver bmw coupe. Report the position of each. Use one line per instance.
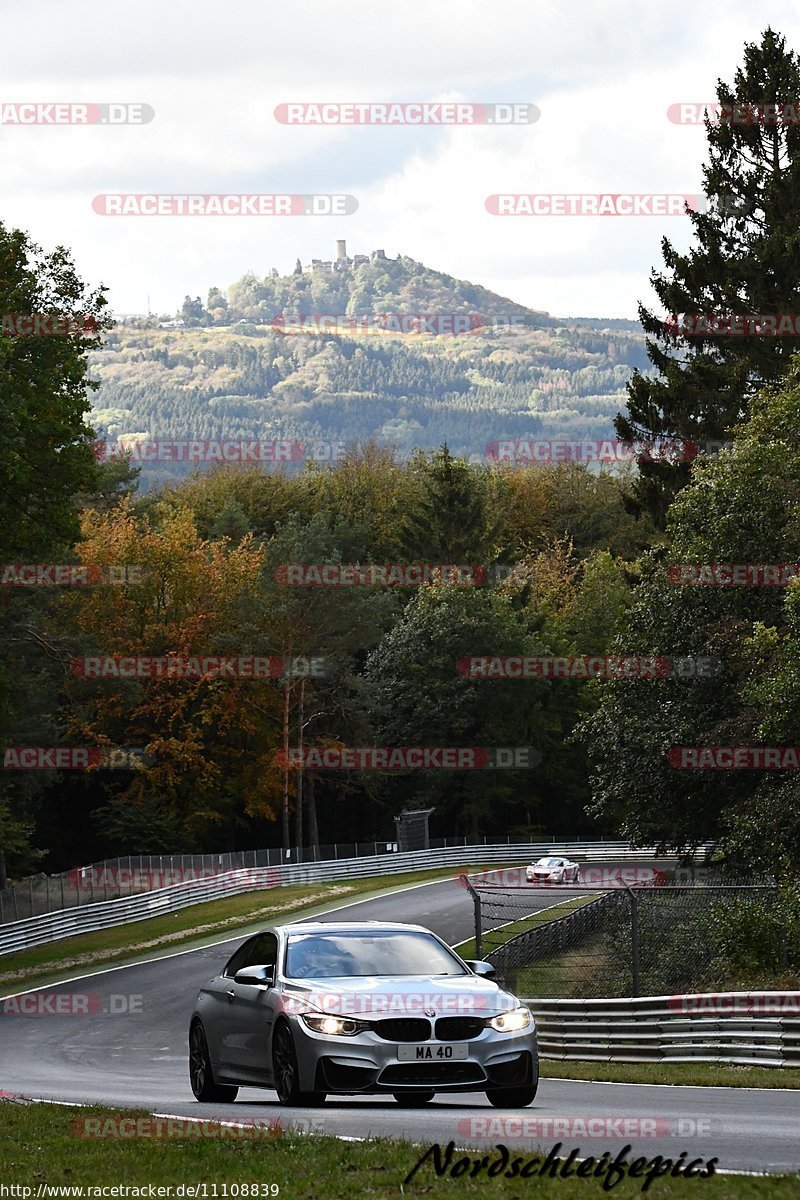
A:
(368, 1008)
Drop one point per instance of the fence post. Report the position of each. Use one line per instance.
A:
(476, 900)
(634, 939)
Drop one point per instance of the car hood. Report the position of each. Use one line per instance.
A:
(401, 996)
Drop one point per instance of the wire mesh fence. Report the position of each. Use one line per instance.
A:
(131, 874)
(617, 936)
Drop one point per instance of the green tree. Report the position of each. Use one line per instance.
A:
(46, 459)
(418, 697)
(231, 523)
(46, 454)
(370, 490)
(452, 520)
(336, 627)
(743, 507)
(575, 606)
(193, 312)
(747, 261)
(217, 305)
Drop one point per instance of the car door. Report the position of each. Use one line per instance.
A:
(250, 1014)
(217, 1009)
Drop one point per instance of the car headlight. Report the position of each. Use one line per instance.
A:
(333, 1026)
(508, 1022)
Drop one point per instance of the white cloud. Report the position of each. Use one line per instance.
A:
(602, 74)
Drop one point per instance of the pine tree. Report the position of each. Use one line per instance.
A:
(451, 522)
(231, 522)
(747, 261)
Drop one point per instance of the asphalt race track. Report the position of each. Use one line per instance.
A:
(130, 1049)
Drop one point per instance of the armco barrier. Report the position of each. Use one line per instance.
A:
(131, 873)
(126, 876)
(49, 927)
(744, 1028)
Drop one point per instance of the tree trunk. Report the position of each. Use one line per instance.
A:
(285, 810)
(313, 831)
(298, 804)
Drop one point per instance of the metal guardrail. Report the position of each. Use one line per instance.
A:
(126, 876)
(35, 931)
(743, 1028)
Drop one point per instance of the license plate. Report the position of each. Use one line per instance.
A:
(432, 1053)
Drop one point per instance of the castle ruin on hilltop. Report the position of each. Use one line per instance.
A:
(342, 262)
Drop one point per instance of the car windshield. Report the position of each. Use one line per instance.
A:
(549, 862)
(337, 955)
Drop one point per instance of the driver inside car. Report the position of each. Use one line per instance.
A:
(319, 958)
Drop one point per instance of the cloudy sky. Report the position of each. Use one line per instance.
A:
(602, 74)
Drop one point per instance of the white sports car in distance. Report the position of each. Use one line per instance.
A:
(553, 869)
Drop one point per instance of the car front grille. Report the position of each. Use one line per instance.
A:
(403, 1029)
(432, 1073)
(458, 1029)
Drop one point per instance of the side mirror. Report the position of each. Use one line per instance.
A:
(258, 976)
(480, 968)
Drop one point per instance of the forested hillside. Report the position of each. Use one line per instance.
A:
(232, 370)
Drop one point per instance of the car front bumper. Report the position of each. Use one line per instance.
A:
(367, 1063)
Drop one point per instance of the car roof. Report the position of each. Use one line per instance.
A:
(351, 927)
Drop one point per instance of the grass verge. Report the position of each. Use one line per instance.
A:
(39, 1146)
(572, 974)
(192, 926)
(686, 1074)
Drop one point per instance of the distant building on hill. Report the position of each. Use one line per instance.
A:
(342, 262)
